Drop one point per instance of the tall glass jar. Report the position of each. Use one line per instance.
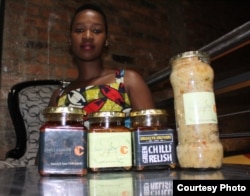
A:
(153, 142)
(195, 111)
(63, 142)
(109, 142)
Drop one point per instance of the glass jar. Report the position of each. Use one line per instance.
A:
(153, 143)
(195, 111)
(109, 142)
(63, 142)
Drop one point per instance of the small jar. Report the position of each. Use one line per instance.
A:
(63, 142)
(195, 111)
(109, 142)
(153, 142)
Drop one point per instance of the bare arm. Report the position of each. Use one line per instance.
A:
(54, 97)
(138, 91)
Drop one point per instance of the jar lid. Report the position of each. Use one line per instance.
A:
(107, 114)
(68, 110)
(203, 55)
(148, 112)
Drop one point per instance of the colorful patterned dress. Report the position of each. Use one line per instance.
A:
(94, 98)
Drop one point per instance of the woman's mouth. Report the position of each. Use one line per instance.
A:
(87, 46)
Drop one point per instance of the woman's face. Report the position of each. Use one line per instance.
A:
(88, 35)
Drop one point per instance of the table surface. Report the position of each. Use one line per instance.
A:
(27, 181)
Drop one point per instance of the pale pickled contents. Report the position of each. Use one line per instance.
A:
(195, 112)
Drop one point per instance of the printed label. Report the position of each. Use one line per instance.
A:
(153, 147)
(199, 108)
(63, 149)
(110, 149)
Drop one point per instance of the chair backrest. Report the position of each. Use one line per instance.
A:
(26, 101)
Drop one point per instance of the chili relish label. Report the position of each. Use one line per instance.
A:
(154, 147)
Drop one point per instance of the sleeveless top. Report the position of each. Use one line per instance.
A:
(94, 98)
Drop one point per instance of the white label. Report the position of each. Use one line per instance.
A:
(200, 108)
(110, 149)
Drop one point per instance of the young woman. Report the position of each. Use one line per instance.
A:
(97, 88)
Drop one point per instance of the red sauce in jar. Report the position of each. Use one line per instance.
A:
(63, 142)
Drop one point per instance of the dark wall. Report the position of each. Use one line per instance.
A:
(1, 29)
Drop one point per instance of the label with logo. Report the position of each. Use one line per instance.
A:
(154, 147)
(62, 150)
(109, 149)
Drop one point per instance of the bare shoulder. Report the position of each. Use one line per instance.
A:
(138, 90)
(130, 72)
(132, 76)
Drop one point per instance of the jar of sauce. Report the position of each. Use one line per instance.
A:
(192, 77)
(109, 142)
(63, 142)
(153, 142)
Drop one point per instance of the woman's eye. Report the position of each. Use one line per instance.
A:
(97, 31)
(79, 30)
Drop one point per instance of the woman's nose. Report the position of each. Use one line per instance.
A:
(88, 35)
